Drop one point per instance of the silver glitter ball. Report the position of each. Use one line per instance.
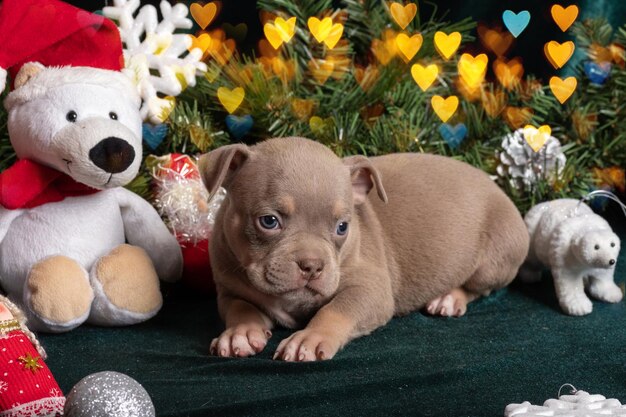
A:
(108, 394)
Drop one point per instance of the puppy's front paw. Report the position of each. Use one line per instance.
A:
(241, 341)
(308, 345)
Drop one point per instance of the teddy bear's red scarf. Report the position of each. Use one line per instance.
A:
(28, 184)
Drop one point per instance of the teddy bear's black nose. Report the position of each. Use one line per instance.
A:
(612, 262)
(112, 155)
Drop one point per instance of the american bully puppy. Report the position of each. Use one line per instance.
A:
(301, 242)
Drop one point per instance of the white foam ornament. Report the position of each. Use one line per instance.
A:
(580, 249)
(578, 404)
(156, 58)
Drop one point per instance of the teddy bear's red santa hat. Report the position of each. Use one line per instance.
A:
(55, 33)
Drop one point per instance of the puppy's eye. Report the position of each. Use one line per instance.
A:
(612, 244)
(71, 116)
(113, 115)
(342, 228)
(596, 247)
(269, 222)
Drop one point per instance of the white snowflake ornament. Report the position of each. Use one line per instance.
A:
(578, 404)
(156, 58)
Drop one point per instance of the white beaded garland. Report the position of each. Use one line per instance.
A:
(575, 404)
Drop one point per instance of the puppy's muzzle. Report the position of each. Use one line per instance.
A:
(310, 268)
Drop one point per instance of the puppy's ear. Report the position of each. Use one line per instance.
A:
(218, 167)
(364, 175)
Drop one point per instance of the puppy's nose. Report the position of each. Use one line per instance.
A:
(112, 154)
(311, 267)
(612, 262)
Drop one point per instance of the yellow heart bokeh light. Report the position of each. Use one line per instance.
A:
(403, 15)
(424, 76)
(279, 32)
(537, 137)
(563, 89)
(204, 15)
(321, 69)
(564, 17)
(473, 69)
(559, 53)
(302, 108)
(497, 40)
(214, 45)
(408, 47)
(231, 99)
(324, 31)
(517, 117)
(366, 77)
(508, 74)
(386, 49)
(319, 125)
(444, 108)
(446, 44)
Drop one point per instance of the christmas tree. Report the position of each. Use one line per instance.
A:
(363, 79)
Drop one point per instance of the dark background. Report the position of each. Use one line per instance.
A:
(540, 30)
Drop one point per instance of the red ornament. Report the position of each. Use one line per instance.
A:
(197, 266)
(181, 200)
(27, 387)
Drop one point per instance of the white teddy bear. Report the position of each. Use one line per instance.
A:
(74, 245)
(580, 249)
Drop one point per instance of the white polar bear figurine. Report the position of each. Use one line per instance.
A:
(96, 257)
(580, 249)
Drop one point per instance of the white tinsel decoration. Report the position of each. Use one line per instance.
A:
(182, 200)
(523, 166)
(153, 45)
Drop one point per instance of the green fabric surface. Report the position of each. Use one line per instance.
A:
(513, 346)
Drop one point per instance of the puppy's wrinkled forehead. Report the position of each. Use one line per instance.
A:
(298, 174)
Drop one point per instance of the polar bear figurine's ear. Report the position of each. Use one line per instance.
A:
(28, 71)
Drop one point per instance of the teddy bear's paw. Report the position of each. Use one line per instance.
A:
(605, 290)
(57, 292)
(126, 287)
(576, 306)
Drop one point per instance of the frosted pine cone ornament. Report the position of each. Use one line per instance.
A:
(523, 167)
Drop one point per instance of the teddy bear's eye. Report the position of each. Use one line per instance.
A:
(596, 247)
(612, 244)
(113, 115)
(71, 116)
